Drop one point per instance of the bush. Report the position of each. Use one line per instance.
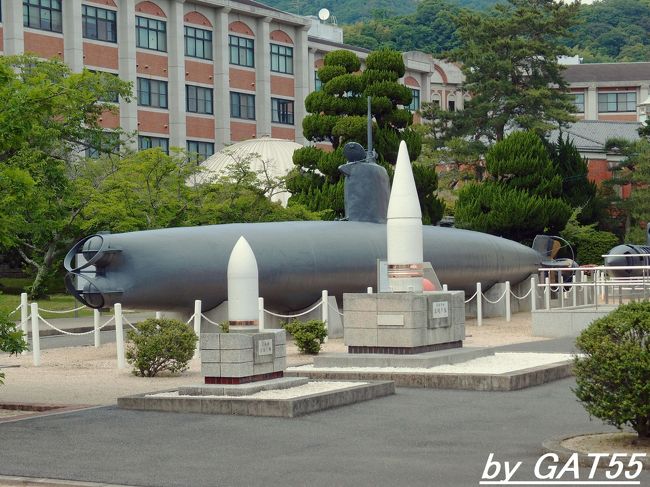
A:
(613, 377)
(160, 344)
(590, 244)
(11, 339)
(308, 335)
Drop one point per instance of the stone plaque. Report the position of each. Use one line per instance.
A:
(439, 316)
(440, 309)
(390, 320)
(263, 348)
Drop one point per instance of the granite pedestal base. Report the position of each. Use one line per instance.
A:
(403, 323)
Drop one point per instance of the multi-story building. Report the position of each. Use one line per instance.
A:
(206, 73)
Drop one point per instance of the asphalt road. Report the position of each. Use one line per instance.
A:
(417, 437)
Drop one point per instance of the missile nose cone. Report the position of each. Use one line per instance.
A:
(403, 201)
(242, 262)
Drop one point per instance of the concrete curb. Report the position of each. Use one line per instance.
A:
(513, 381)
(43, 482)
(554, 445)
(242, 406)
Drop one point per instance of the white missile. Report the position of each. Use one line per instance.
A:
(243, 286)
(404, 229)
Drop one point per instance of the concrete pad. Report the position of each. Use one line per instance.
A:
(241, 389)
(424, 360)
(511, 381)
(248, 406)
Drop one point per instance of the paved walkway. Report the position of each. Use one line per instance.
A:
(417, 437)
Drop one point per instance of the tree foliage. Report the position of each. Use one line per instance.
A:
(11, 339)
(522, 195)
(431, 28)
(577, 190)
(634, 173)
(49, 117)
(613, 373)
(337, 115)
(589, 243)
(509, 59)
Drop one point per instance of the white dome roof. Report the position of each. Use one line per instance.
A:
(277, 154)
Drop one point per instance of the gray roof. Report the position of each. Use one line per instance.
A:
(599, 72)
(591, 135)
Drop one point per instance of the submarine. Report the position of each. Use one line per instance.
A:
(168, 269)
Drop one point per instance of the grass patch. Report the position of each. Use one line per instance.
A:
(56, 302)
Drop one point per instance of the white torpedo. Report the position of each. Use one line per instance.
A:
(243, 286)
(404, 229)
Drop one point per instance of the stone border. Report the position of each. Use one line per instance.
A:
(511, 381)
(36, 410)
(242, 406)
(45, 482)
(554, 445)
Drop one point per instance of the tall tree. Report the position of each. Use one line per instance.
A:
(49, 117)
(522, 196)
(577, 190)
(509, 59)
(337, 115)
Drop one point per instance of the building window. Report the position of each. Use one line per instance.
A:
(452, 105)
(198, 43)
(241, 51)
(148, 142)
(152, 93)
(43, 15)
(282, 111)
(242, 106)
(281, 59)
(318, 84)
(199, 151)
(617, 102)
(198, 99)
(151, 34)
(415, 101)
(579, 102)
(99, 23)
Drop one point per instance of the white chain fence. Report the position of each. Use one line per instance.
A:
(318, 303)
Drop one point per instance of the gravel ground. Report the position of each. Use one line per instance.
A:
(89, 375)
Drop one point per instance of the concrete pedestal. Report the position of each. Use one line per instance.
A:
(239, 358)
(404, 323)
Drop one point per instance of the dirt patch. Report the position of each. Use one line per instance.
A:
(88, 375)
(608, 443)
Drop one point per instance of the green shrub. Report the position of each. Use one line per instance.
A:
(308, 335)
(11, 339)
(160, 344)
(613, 376)
(590, 244)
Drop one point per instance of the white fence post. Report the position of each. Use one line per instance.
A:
(575, 291)
(445, 288)
(508, 310)
(24, 315)
(98, 337)
(585, 288)
(260, 312)
(36, 340)
(197, 324)
(596, 291)
(119, 336)
(325, 309)
(479, 304)
(369, 290)
(560, 288)
(158, 315)
(533, 294)
(547, 292)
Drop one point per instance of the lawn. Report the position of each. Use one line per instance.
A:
(56, 302)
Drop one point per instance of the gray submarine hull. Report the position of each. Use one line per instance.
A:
(168, 269)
